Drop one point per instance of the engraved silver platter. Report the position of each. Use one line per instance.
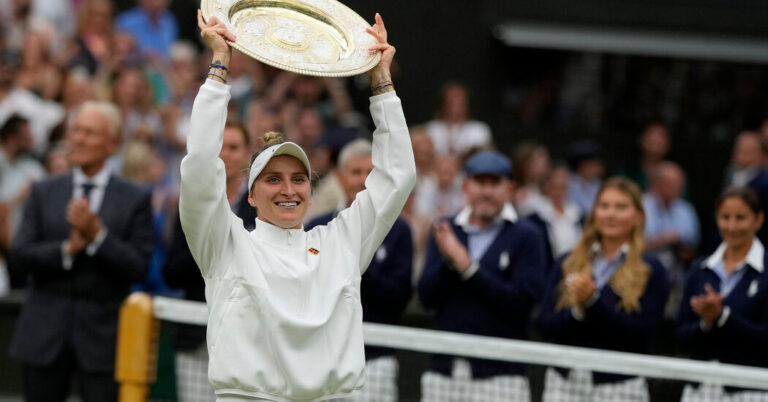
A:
(322, 38)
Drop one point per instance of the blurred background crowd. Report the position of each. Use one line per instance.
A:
(145, 57)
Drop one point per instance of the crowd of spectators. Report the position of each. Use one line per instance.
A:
(54, 59)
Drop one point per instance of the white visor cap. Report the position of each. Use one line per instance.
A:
(285, 148)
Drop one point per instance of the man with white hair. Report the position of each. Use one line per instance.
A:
(84, 239)
(385, 288)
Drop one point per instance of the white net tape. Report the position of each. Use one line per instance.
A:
(429, 341)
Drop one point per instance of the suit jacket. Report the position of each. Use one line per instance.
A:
(78, 308)
(496, 301)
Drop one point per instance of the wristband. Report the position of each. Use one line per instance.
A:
(217, 76)
(380, 87)
(219, 66)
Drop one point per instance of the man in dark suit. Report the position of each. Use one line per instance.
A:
(85, 238)
(483, 274)
(385, 287)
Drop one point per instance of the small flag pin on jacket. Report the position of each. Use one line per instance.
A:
(314, 251)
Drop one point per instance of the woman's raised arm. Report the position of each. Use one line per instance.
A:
(367, 221)
(203, 206)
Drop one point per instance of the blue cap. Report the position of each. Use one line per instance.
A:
(488, 163)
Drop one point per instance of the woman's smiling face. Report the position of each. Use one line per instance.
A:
(281, 193)
(737, 222)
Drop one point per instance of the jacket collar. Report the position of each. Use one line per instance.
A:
(277, 235)
(597, 250)
(99, 179)
(508, 214)
(755, 256)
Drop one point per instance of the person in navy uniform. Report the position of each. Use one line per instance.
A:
(385, 288)
(724, 311)
(605, 294)
(483, 274)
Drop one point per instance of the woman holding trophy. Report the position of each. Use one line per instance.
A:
(285, 320)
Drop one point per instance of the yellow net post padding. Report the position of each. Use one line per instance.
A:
(136, 363)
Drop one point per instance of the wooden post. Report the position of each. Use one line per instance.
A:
(136, 363)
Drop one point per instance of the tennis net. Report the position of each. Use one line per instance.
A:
(545, 372)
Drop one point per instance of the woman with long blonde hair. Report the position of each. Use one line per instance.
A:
(605, 294)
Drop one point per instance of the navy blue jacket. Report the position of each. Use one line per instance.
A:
(496, 301)
(759, 183)
(385, 287)
(605, 325)
(743, 338)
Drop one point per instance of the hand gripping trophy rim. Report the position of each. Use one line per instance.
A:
(322, 38)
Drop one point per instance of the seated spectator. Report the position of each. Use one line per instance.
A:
(441, 194)
(153, 27)
(76, 89)
(91, 45)
(604, 295)
(308, 134)
(133, 95)
(17, 169)
(181, 271)
(385, 288)
(263, 117)
(452, 131)
(749, 155)
(671, 226)
(56, 160)
(654, 146)
(724, 310)
(16, 17)
(587, 171)
(39, 73)
(43, 115)
(557, 217)
(328, 193)
(483, 275)
(531, 163)
(423, 151)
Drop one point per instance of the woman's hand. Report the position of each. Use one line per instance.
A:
(581, 287)
(380, 77)
(215, 34)
(708, 306)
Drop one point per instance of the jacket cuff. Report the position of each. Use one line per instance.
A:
(576, 314)
(66, 259)
(470, 272)
(93, 247)
(379, 98)
(219, 86)
(724, 316)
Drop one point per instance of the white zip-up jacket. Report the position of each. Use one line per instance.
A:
(285, 321)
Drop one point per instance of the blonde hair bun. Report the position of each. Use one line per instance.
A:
(272, 138)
